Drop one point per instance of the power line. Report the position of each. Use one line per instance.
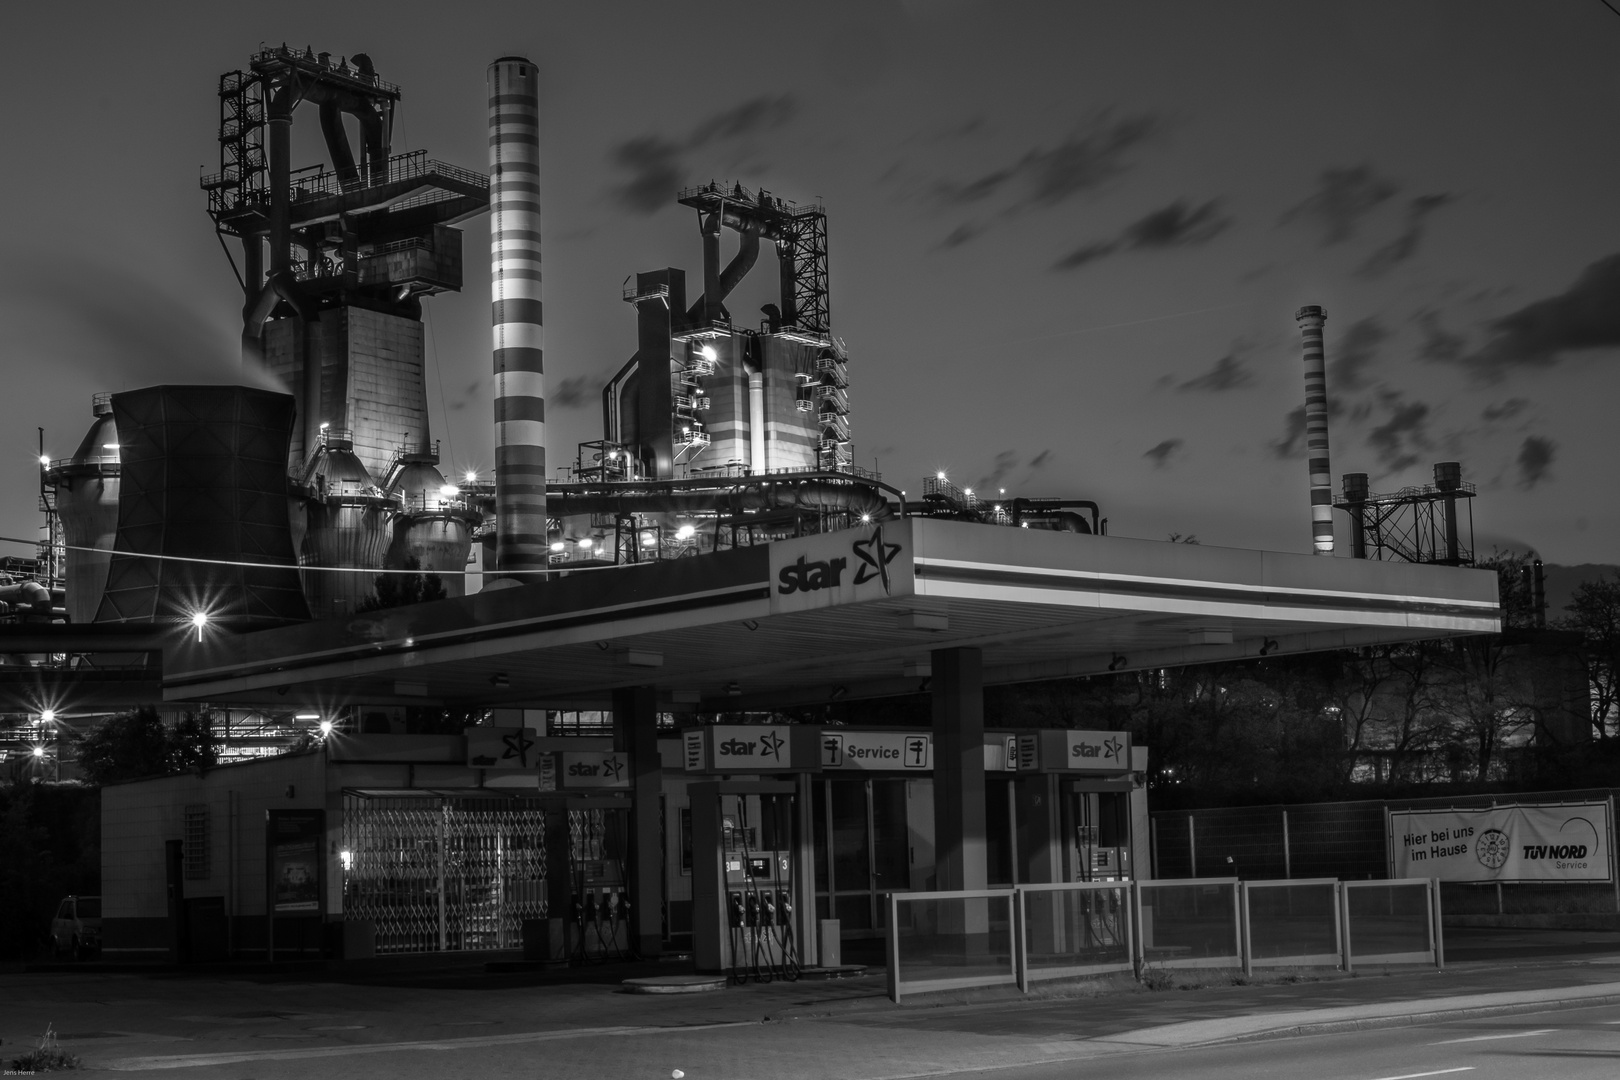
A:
(324, 569)
(1610, 6)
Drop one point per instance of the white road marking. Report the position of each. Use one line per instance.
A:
(141, 1064)
(1437, 1072)
(1491, 1038)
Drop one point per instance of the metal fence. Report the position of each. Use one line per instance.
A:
(991, 937)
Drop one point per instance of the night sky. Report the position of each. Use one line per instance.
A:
(1067, 240)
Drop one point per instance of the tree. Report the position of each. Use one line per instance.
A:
(137, 744)
(397, 590)
(1595, 613)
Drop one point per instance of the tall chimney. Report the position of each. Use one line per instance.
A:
(1310, 321)
(514, 249)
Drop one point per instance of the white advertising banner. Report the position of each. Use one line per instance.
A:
(1502, 843)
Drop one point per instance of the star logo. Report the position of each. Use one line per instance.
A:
(517, 745)
(612, 768)
(1113, 746)
(770, 745)
(875, 558)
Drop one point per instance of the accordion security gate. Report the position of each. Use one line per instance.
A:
(444, 873)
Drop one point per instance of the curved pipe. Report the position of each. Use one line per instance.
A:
(1047, 508)
(740, 264)
(1063, 521)
(337, 144)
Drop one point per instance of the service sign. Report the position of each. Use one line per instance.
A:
(1503, 843)
(873, 751)
(751, 748)
(593, 769)
(1075, 751)
(501, 748)
(844, 567)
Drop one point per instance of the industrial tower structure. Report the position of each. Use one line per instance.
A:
(335, 261)
(706, 395)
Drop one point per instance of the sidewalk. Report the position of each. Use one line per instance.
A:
(459, 1024)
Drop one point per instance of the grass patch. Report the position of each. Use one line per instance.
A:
(47, 1056)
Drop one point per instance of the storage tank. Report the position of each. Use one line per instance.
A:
(87, 504)
(349, 522)
(434, 524)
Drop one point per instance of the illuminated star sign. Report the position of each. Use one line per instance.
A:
(517, 746)
(770, 745)
(1113, 746)
(875, 558)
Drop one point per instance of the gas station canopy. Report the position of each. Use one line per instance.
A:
(842, 615)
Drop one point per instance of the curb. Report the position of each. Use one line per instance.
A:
(1373, 1023)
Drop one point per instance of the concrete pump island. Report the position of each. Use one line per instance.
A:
(712, 563)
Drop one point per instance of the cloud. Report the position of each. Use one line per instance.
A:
(657, 166)
(1405, 245)
(1005, 463)
(1535, 460)
(1161, 454)
(1406, 430)
(1177, 225)
(656, 172)
(1229, 373)
(1341, 199)
(1584, 316)
(1292, 439)
(1096, 153)
(962, 234)
(1040, 460)
(1507, 410)
(1355, 353)
(570, 393)
(1439, 343)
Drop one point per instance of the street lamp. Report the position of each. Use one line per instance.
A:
(199, 620)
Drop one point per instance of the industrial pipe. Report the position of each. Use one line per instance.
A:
(1311, 320)
(520, 407)
(774, 495)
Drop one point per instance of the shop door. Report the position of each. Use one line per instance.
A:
(863, 850)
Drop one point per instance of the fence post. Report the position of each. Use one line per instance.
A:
(1349, 952)
(1245, 942)
(1139, 956)
(894, 949)
(1439, 930)
(1127, 912)
(1192, 846)
(1288, 859)
(1020, 943)
(1338, 922)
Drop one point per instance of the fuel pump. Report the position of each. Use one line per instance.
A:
(587, 891)
(747, 851)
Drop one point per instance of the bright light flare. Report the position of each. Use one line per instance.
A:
(39, 751)
(48, 716)
(708, 353)
(44, 459)
(326, 727)
(449, 491)
(586, 543)
(307, 716)
(472, 476)
(685, 532)
(199, 620)
(940, 474)
(558, 546)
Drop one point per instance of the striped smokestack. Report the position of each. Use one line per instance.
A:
(1310, 321)
(514, 249)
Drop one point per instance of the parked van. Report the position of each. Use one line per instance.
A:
(76, 929)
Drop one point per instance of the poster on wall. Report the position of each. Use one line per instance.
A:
(1510, 843)
(293, 841)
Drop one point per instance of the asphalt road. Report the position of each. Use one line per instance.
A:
(1567, 1044)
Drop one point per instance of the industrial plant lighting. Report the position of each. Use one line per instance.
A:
(708, 353)
(325, 424)
(199, 620)
(685, 532)
(48, 716)
(558, 545)
(940, 474)
(866, 519)
(585, 543)
(307, 716)
(109, 446)
(39, 751)
(44, 460)
(472, 476)
(346, 857)
(449, 491)
(326, 727)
